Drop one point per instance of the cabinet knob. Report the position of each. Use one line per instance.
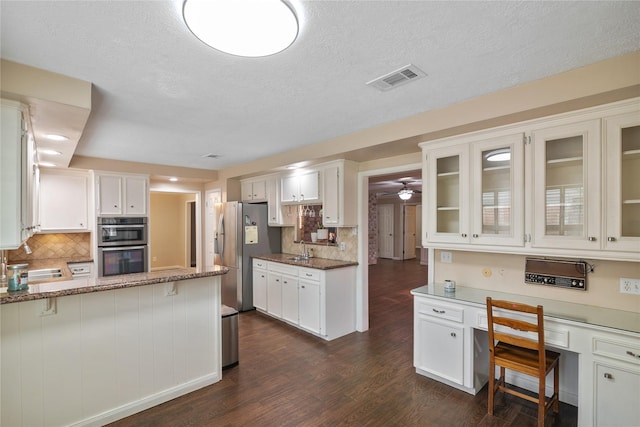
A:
(131, 206)
(475, 236)
(632, 354)
(302, 286)
(591, 239)
(453, 334)
(608, 376)
(611, 239)
(115, 206)
(464, 234)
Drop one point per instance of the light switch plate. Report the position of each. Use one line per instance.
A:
(446, 257)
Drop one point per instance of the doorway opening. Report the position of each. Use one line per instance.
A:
(174, 227)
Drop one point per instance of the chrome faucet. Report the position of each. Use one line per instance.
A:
(305, 254)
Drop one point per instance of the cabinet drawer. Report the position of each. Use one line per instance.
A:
(441, 311)
(282, 268)
(309, 274)
(616, 350)
(259, 263)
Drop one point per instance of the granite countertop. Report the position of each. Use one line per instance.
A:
(317, 263)
(63, 287)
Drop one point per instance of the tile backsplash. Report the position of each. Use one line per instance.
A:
(344, 235)
(57, 245)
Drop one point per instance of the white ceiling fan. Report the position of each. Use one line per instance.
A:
(405, 193)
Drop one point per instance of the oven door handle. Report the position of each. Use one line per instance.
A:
(123, 226)
(120, 248)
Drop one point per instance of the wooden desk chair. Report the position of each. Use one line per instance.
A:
(525, 355)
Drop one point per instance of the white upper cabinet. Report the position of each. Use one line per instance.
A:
(475, 192)
(254, 191)
(569, 186)
(300, 188)
(497, 186)
(448, 198)
(19, 183)
(622, 182)
(339, 198)
(63, 201)
(566, 186)
(122, 195)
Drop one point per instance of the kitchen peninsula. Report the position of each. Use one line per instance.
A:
(94, 350)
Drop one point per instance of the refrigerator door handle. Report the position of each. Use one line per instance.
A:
(219, 241)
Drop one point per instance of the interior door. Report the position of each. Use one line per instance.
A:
(409, 232)
(385, 231)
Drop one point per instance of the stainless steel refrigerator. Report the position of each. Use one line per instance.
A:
(242, 232)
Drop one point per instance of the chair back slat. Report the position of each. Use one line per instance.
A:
(519, 325)
(516, 340)
(512, 337)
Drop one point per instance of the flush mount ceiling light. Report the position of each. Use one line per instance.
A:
(501, 155)
(249, 28)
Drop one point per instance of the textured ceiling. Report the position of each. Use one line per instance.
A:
(161, 96)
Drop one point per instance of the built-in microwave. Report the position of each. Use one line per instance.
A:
(122, 231)
(116, 260)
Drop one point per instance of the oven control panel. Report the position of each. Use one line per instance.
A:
(558, 273)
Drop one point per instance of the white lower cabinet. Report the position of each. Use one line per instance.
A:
(600, 366)
(309, 305)
(321, 302)
(616, 370)
(439, 341)
(442, 349)
(290, 298)
(617, 390)
(260, 284)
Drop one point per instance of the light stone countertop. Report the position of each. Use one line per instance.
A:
(60, 288)
(568, 311)
(317, 263)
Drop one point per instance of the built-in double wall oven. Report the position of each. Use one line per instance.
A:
(122, 245)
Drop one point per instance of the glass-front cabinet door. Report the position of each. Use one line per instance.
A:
(622, 177)
(497, 188)
(567, 186)
(448, 194)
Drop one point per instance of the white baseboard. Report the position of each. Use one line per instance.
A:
(149, 401)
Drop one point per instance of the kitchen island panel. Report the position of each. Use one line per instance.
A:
(105, 355)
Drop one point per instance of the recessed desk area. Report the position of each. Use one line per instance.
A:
(600, 362)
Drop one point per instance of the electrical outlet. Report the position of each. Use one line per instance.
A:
(343, 246)
(446, 257)
(629, 286)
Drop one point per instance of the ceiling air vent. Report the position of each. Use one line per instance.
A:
(397, 78)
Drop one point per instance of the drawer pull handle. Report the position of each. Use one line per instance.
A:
(308, 275)
(632, 354)
(453, 334)
(438, 311)
(608, 376)
(611, 239)
(591, 239)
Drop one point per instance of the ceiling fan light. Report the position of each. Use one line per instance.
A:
(250, 28)
(405, 194)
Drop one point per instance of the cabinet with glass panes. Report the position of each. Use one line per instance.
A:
(475, 191)
(567, 186)
(622, 177)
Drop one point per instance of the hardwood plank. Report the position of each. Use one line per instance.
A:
(287, 377)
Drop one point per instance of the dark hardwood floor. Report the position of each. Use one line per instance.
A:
(289, 378)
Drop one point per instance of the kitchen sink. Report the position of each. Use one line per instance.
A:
(298, 258)
(45, 273)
